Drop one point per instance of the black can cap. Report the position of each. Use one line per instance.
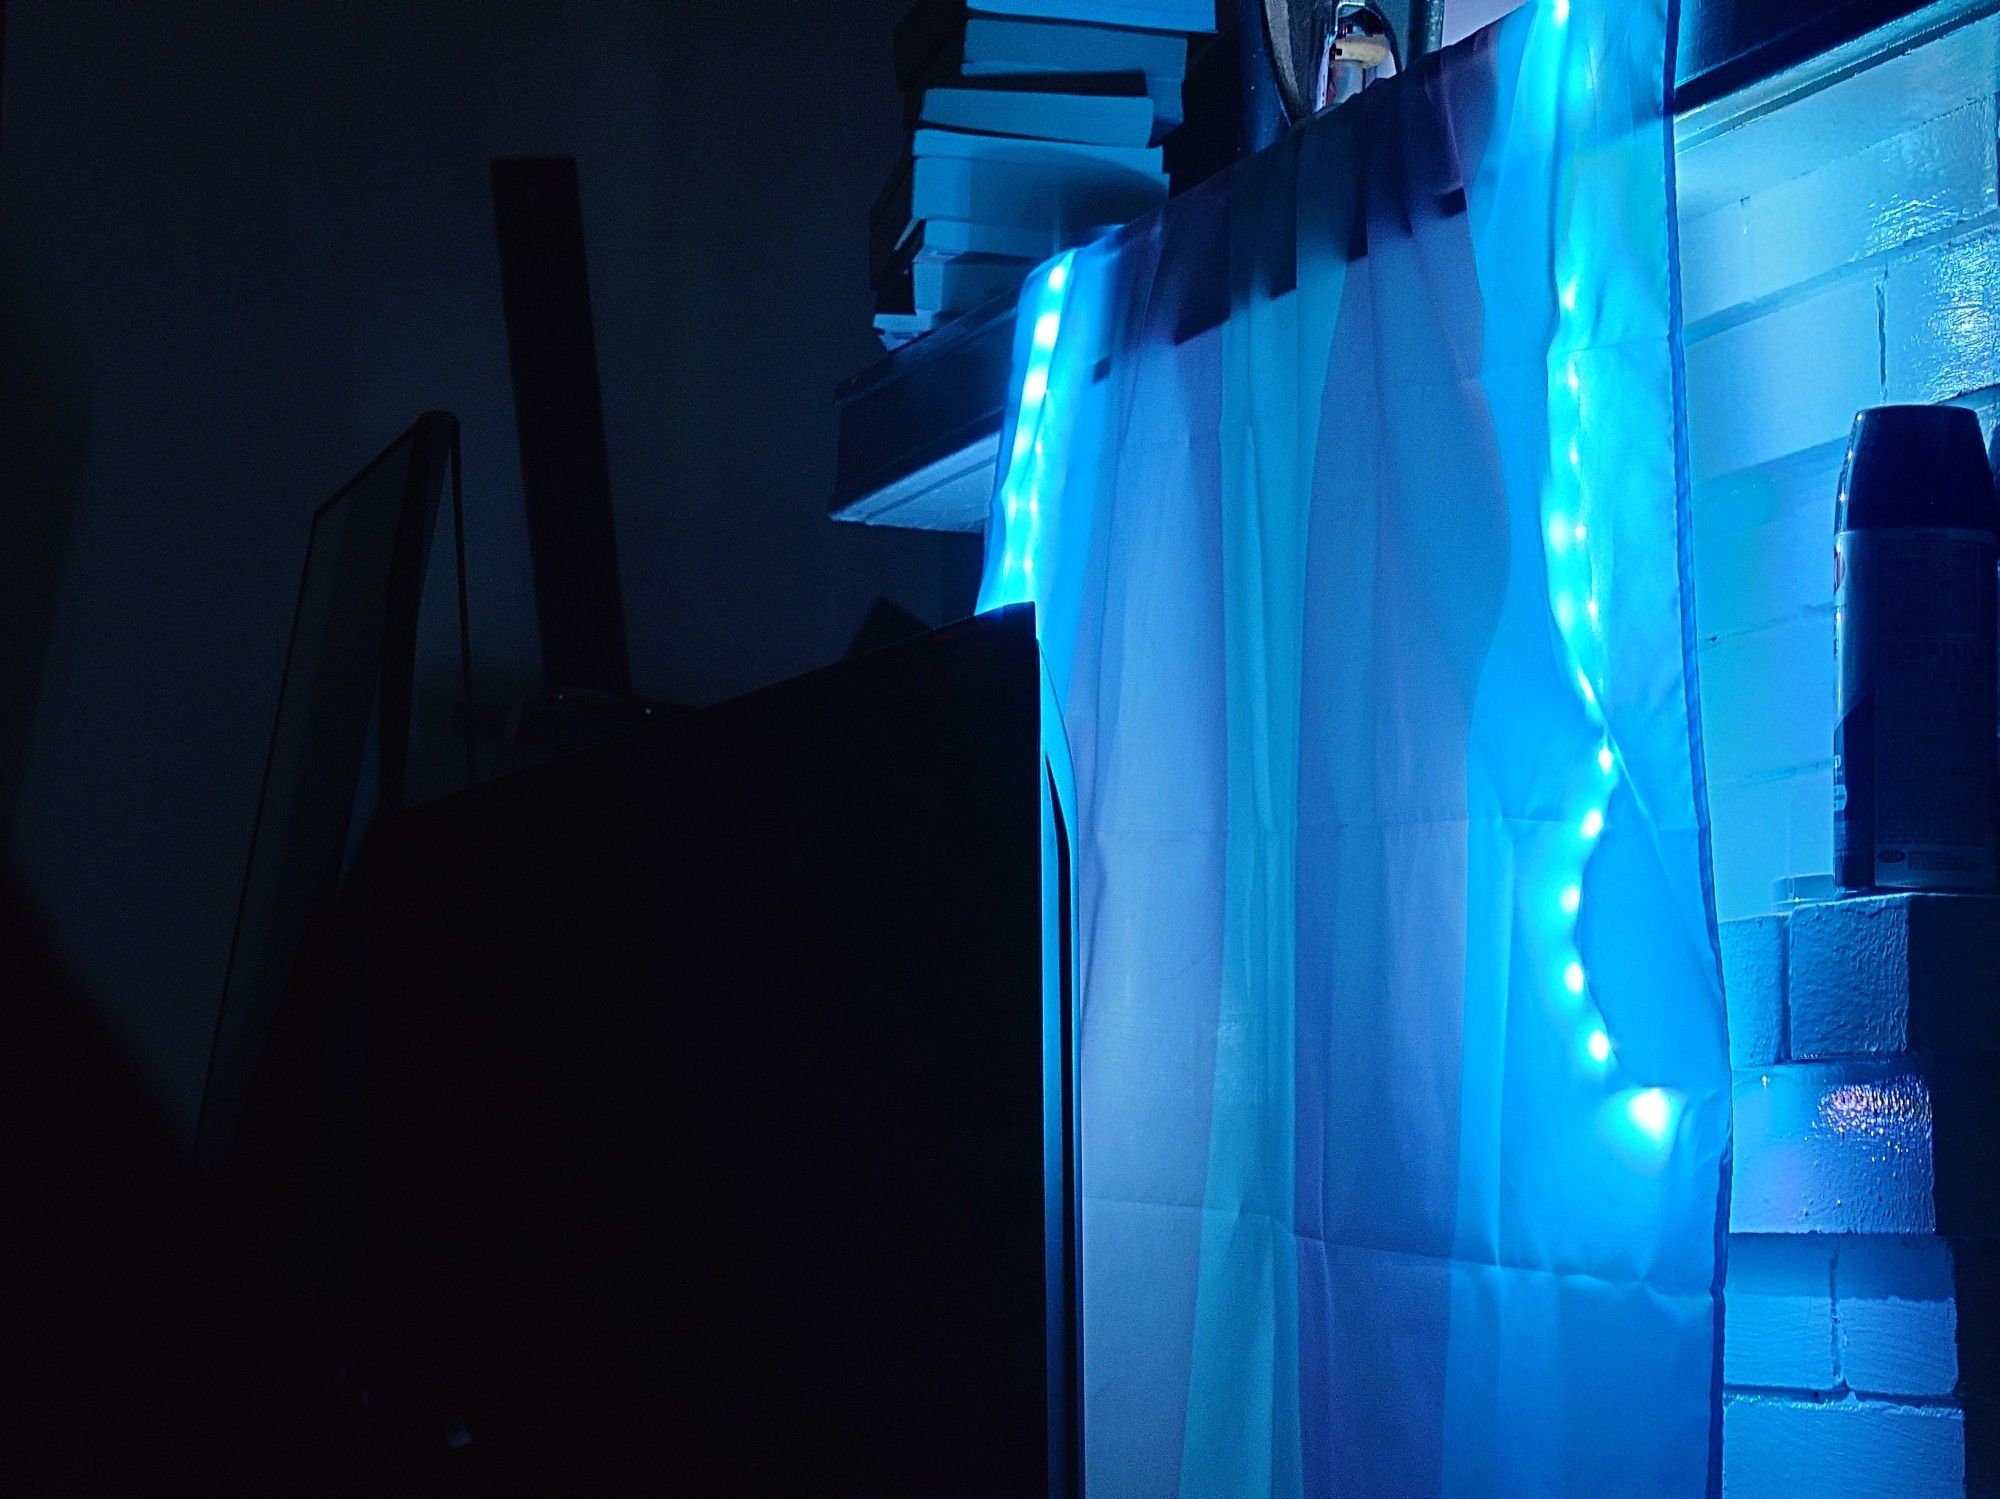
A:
(1917, 466)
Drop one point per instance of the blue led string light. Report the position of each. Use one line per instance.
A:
(1023, 567)
(1646, 1117)
(1574, 604)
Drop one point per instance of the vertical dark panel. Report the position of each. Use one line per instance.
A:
(1426, 32)
(565, 472)
(1262, 107)
(1066, 1413)
(1234, 105)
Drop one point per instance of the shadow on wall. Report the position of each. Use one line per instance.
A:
(44, 436)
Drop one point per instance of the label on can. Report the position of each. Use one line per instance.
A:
(1913, 745)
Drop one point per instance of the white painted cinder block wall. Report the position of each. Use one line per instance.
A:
(1839, 251)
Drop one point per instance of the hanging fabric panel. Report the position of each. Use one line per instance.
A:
(1350, 493)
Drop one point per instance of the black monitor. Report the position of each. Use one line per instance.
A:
(349, 740)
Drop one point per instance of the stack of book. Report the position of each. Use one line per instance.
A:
(1034, 124)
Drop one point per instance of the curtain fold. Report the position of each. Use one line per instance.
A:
(1349, 492)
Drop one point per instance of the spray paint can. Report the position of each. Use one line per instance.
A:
(1993, 459)
(1916, 557)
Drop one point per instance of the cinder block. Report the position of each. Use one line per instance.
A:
(1784, 382)
(1753, 980)
(1774, 1447)
(1877, 103)
(1756, 496)
(1759, 574)
(1765, 830)
(1895, 973)
(1865, 1147)
(1771, 691)
(1941, 321)
(1853, 208)
(1778, 1329)
(1895, 1303)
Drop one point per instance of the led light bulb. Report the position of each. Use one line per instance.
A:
(1652, 1111)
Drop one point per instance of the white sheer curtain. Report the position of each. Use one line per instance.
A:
(1349, 492)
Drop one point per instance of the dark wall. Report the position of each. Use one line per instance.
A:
(243, 244)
